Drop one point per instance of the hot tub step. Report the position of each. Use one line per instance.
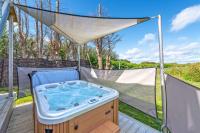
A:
(107, 127)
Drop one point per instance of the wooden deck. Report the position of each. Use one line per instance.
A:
(6, 108)
(3, 100)
(22, 122)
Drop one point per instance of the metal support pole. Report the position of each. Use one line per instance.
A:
(119, 64)
(162, 76)
(10, 57)
(79, 58)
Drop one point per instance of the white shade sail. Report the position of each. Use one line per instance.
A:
(136, 87)
(80, 29)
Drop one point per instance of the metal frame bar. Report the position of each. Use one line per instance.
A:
(162, 76)
(79, 57)
(10, 57)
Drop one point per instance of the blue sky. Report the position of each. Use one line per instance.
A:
(181, 27)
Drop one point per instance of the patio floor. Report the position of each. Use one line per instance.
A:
(21, 122)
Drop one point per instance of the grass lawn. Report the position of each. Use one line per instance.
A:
(23, 100)
(139, 115)
(5, 90)
(180, 73)
(144, 118)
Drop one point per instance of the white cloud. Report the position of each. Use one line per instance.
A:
(182, 38)
(186, 17)
(132, 53)
(148, 38)
(190, 46)
(137, 55)
(184, 53)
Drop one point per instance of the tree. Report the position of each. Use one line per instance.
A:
(84, 51)
(110, 41)
(41, 34)
(3, 44)
(37, 30)
(105, 45)
(23, 32)
(56, 37)
(99, 43)
(20, 31)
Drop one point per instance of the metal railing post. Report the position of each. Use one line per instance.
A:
(162, 76)
(10, 56)
(79, 57)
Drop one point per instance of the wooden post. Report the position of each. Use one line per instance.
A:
(116, 113)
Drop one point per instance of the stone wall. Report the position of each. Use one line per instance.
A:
(40, 63)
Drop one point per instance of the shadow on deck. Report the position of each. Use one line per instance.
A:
(22, 122)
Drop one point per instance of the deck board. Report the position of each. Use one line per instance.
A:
(5, 114)
(22, 122)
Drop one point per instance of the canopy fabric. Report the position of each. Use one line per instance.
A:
(80, 29)
(136, 86)
(5, 14)
(183, 106)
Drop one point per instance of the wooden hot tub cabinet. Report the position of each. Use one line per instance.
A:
(83, 123)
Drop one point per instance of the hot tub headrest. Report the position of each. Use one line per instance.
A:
(53, 76)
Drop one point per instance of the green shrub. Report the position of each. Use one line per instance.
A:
(193, 72)
(62, 54)
(175, 71)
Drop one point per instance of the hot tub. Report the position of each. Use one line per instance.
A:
(66, 105)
